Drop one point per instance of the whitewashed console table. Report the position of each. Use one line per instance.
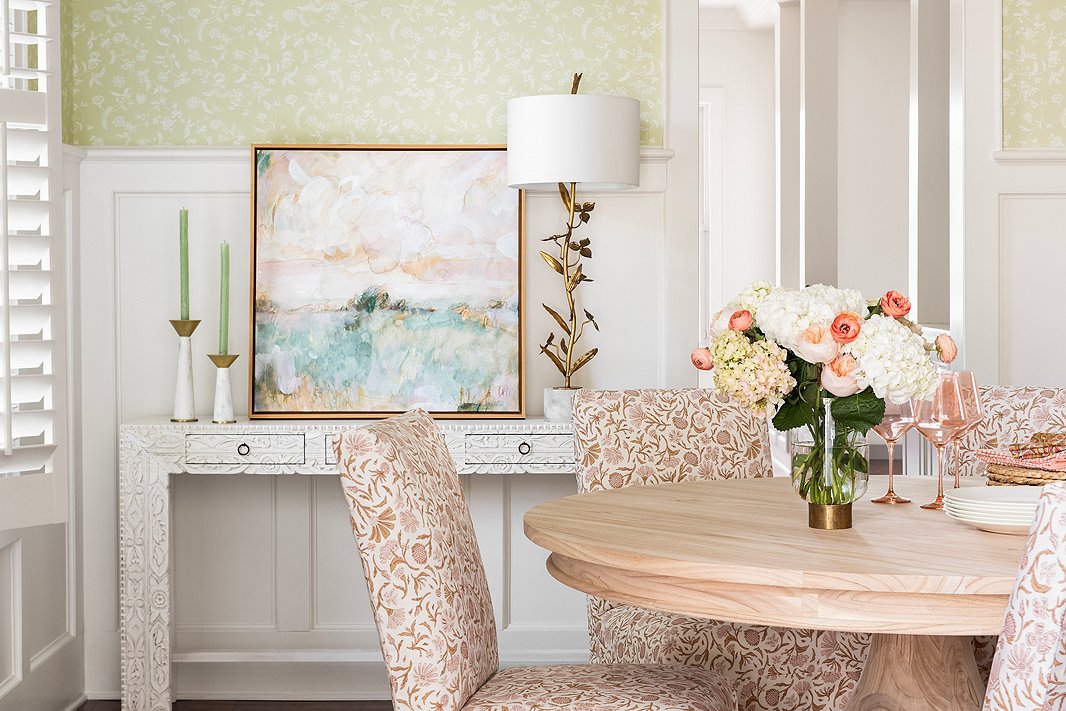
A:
(150, 451)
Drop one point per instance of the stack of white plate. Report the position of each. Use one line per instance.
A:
(999, 509)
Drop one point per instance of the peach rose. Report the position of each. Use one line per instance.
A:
(895, 304)
(946, 348)
(837, 376)
(816, 345)
(701, 358)
(846, 326)
(740, 320)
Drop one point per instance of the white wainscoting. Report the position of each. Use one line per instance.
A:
(1008, 208)
(270, 601)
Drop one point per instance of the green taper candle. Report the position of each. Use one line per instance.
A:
(183, 256)
(223, 315)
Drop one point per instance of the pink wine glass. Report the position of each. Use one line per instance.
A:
(939, 420)
(897, 420)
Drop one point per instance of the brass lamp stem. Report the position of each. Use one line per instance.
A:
(565, 258)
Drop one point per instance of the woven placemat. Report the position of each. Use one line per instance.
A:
(1000, 475)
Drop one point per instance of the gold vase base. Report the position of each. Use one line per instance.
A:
(224, 422)
(829, 517)
(195, 419)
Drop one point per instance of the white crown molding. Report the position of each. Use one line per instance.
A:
(649, 154)
(1030, 156)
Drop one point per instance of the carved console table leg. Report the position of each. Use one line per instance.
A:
(144, 578)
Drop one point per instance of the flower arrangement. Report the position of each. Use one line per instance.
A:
(821, 355)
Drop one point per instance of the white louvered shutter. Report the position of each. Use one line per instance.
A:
(33, 460)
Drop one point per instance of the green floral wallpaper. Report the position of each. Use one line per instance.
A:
(202, 72)
(1034, 52)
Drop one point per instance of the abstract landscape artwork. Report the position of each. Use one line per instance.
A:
(385, 278)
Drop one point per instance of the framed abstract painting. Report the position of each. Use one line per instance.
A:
(385, 278)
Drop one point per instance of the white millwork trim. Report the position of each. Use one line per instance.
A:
(153, 450)
(1031, 156)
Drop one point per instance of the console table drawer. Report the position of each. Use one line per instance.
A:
(255, 448)
(518, 448)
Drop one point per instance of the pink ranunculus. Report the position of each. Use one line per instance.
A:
(816, 345)
(895, 304)
(846, 326)
(740, 320)
(837, 376)
(701, 358)
(946, 348)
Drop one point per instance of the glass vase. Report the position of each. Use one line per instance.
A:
(830, 470)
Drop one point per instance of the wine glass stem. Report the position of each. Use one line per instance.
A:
(939, 472)
(891, 445)
(958, 483)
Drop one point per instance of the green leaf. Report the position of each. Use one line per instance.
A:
(860, 411)
(793, 414)
(552, 262)
(558, 319)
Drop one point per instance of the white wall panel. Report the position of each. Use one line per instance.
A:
(46, 624)
(1031, 255)
(146, 234)
(224, 552)
(11, 642)
(339, 599)
(873, 108)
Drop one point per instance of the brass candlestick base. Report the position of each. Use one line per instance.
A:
(223, 413)
(184, 400)
(184, 326)
(830, 517)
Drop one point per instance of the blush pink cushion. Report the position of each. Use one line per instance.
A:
(431, 600)
(1029, 670)
(640, 437)
(590, 687)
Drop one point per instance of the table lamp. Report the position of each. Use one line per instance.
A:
(565, 140)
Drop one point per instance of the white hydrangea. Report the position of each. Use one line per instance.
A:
(892, 360)
(749, 299)
(784, 313)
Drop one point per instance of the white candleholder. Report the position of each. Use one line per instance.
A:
(184, 400)
(223, 414)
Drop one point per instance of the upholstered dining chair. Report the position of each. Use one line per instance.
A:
(1029, 669)
(431, 601)
(1012, 414)
(639, 437)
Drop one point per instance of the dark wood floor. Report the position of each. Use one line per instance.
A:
(255, 706)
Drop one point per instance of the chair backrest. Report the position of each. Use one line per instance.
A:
(636, 437)
(421, 560)
(1012, 414)
(1029, 669)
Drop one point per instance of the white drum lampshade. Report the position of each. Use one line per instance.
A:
(573, 138)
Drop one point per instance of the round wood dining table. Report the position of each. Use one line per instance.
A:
(741, 551)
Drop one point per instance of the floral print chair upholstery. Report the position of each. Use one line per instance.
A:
(1029, 670)
(638, 437)
(431, 600)
(1012, 414)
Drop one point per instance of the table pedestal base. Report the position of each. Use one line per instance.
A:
(919, 673)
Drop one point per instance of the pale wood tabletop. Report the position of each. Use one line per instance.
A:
(740, 550)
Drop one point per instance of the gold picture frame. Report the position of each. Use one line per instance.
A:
(354, 195)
